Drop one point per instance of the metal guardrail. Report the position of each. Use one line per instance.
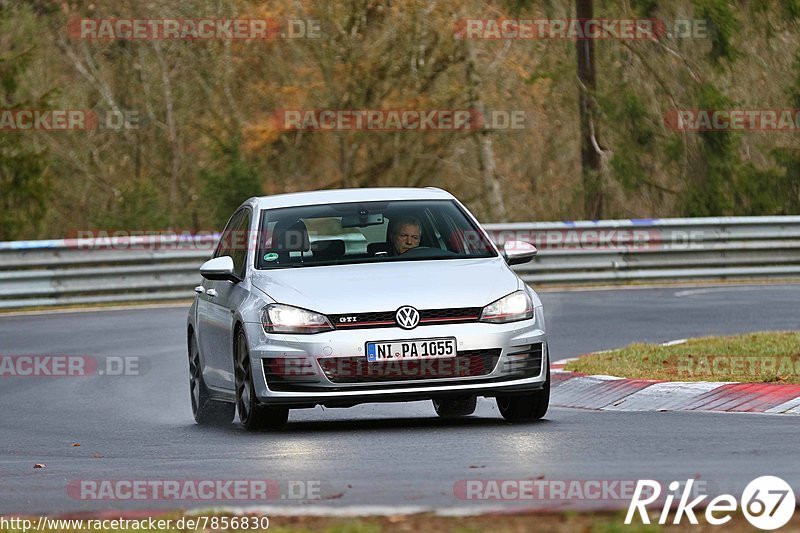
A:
(90, 271)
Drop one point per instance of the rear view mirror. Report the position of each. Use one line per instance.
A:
(362, 220)
(518, 252)
(219, 269)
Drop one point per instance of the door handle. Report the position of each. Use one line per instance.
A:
(199, 289)
(211, 292)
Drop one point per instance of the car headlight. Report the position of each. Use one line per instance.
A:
(279, 318)
(516, 306)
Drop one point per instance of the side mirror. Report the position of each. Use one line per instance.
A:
(518, 252)
(219, 269)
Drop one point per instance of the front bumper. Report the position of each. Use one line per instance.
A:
(306, 370)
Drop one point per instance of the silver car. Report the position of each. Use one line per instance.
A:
(343, 297)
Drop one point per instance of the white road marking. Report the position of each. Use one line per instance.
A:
(167, 305)
(789, 407)
(675, 342)
(663, 396)
(350, 510)
(708, 290)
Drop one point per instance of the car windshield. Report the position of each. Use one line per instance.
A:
(365, 232)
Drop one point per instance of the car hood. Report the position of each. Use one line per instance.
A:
(342, 289)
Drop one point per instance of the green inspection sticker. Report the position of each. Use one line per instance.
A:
(270, 257)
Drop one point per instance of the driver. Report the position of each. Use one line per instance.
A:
(404, 234)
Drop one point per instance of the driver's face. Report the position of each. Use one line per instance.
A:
(406, 237)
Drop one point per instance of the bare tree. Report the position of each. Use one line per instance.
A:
(483, 140)
(591, 153)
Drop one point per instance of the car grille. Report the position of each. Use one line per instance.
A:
(524, 361)
(384, 319)
(468, 363)
(301, 374)
(287, 373)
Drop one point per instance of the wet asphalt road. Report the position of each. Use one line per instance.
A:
(397, 455)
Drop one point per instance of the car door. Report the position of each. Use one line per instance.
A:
(215, 318)
(230, 297)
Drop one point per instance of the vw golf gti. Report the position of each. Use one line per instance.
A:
(342, 297)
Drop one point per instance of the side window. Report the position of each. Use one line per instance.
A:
(241, 243)
(224, 247)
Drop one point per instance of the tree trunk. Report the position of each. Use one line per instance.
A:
(591, 162)
(493, 193)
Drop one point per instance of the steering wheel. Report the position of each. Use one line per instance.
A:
(428, 251)
(419, 250)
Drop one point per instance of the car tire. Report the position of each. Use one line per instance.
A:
(252, 415)
(206, 410)
(454, 407)
(526, 407)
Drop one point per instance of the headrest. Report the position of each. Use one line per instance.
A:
(331, 248)
(290, 236)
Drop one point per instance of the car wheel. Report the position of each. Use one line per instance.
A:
(253, 415)
(526, 407)
(206, 410)
(452, 407)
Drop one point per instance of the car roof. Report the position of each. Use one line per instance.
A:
(338, 196)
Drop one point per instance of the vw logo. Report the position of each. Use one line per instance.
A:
(407, 317)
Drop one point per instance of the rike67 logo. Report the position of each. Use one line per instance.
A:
(768, 503)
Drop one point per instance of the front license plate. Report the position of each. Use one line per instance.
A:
(411, 349)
